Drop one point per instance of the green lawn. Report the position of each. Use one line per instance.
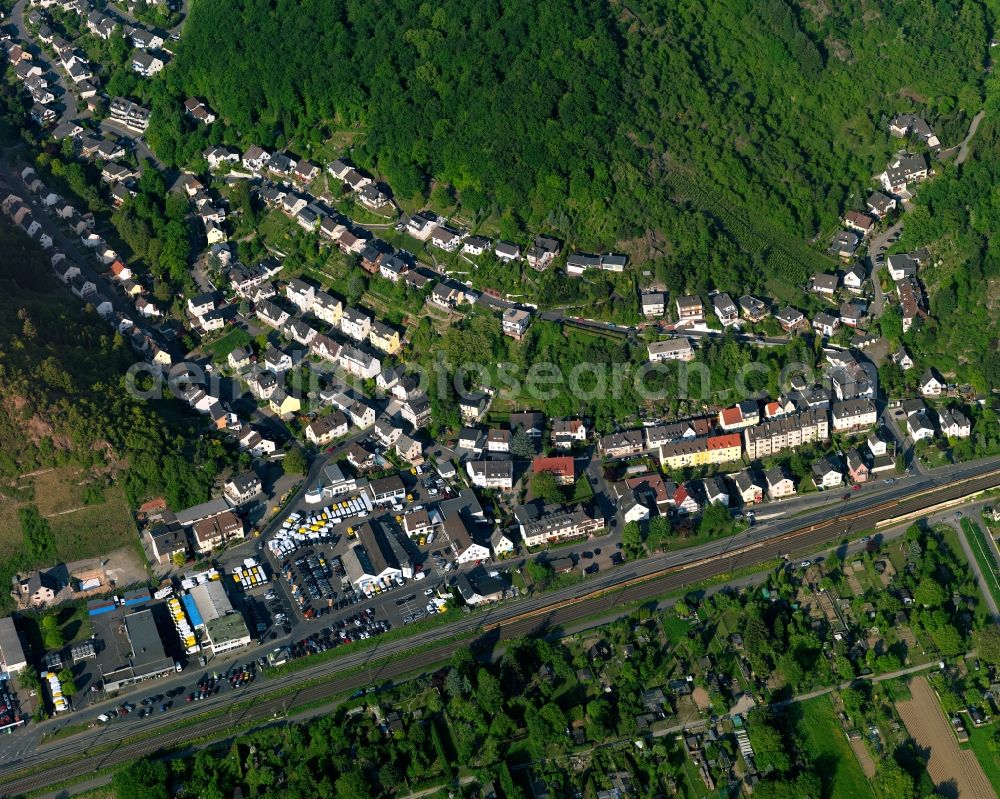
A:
(984, 556)
(825, 743)
(221, 347)
(979, 741)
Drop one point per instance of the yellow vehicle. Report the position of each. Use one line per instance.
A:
(413, 471)
(350, 532)
(409, 497)
(399, 518)
(423, 540)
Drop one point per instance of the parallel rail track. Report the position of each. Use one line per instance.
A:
(636, 588)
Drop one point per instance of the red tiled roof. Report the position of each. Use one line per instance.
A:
(725, 442)
(561, 466)
(732, 415)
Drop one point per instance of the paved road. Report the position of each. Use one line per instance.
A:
(637, 581)
(984, 585)
(68, 98)
(963, 147)
(878, 241)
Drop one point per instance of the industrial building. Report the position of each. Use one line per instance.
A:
(148, 661)
(12, 658)
(210, 610)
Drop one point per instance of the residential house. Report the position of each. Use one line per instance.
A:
(913, 125)
(568, 432)
(621, 445)
(857, 469)
(902, 359)
(825, 324)
(673, 349)
(416, 410)
(197, 110)
(240, 358)
(862, 223)
(880, 205)
(384, 338)
(901, 171)
(931, 383)
(277, 361)
(146, 64)
(515, 322)
(954, 424)
(329, 428)
(543, 252)
(826, 475)
(919, 427)
(789, 318)
(725, 309)
(901, 266)
(653, 303)
(825, 283)
(494, 474)
(786, 432)
(743, 414)
(532, 423)
(560, 467)
(327, 308)
(300, 294)
(844, 244)
(216, 531)
(690, 309)
(473, 406)
(498, 440)
(853, 414)
(578, 262)
(282, 404)
(753, 309)
(270, 314)
(778, 484)
(713, 489)
(854, 277)
(241, 488)
(501, 544)
(506, 252)
(746, 486)
(409, 449)
(355, 323)
(550, 523)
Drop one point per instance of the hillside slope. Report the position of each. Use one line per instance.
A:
(577, 115)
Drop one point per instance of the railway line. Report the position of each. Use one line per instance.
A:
(649, 579)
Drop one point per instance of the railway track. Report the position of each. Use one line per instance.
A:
(634, 589)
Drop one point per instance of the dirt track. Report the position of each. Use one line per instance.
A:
(926, 722)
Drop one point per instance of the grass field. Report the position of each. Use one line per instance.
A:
(989, 759)
(828, 747)
(80, 530)
(983, 553)
(221, 347)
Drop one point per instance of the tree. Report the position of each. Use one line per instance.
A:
(67, 682)
(770, 749)
(599, 719)
(632, 540)
(178, 559)
(715, 520)
(143, 779)
(545, 487)
(988, 644)
(658, 533)
(928, 592)
(52, 636)
(522, 445)
(892, 781)
(488, 692)
(353, 785)
(294, 461)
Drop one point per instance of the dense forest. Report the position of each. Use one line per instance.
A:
(654, 127)
(957, 216)
(63, 397)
